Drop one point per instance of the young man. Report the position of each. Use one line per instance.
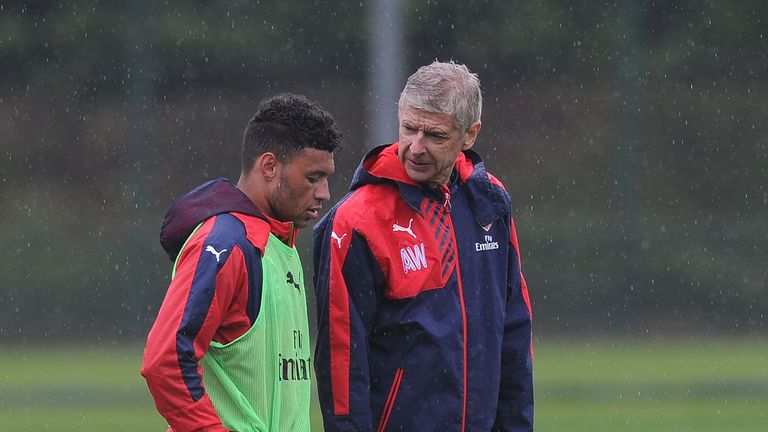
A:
(229, 349)
(424, 321)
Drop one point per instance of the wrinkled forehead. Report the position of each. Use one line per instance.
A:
(421, 119)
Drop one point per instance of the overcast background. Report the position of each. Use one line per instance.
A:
(631, 136)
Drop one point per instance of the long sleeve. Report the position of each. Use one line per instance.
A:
(197, 306)
(515, 409)
(346, 278)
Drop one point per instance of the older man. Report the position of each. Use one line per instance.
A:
(423, 314)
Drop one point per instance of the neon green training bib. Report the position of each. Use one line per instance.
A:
(261, 381)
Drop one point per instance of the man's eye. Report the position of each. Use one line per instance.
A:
(437, 138)
(313, 180)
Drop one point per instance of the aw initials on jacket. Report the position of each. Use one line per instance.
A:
(423, 313)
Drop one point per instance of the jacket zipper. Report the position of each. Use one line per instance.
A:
(390, 400)
(447, 205)
(447, 198)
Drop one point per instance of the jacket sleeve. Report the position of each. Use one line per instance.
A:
(346, 278)
(515, 409)
(202, 289)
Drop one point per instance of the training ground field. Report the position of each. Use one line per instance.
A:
(696, 385)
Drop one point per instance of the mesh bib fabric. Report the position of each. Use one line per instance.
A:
(261, 381)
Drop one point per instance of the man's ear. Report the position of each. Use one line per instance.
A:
(267, 166)
(471, 135)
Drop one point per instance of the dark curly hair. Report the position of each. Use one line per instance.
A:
(285, 125)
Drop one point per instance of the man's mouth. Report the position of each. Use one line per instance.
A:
(418, 165)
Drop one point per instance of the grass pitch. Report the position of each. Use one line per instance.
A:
(699, 385)
(672, 385)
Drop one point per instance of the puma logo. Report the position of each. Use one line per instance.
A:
(398, 228)
(290, 281)
(210, 249)
(337, 238)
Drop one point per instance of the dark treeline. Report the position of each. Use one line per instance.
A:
(631, 136)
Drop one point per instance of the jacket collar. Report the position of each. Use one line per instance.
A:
(210, 199)
(486, 196)
(285, 231)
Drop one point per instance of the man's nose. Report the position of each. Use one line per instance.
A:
(323, 191)
(418, 143)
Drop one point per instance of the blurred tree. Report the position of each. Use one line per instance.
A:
(109, 110)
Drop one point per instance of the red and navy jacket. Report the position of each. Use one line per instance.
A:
(215, 295)
(424, 320)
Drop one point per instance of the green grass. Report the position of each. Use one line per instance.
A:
(74, 388)
(687, 385)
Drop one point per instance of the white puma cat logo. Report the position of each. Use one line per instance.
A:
(210, 249)
(398, 228)
(337, 238)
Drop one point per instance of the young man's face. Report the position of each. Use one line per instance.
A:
(302, 186)
(430, 143)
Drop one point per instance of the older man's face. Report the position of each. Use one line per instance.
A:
(430, 143)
